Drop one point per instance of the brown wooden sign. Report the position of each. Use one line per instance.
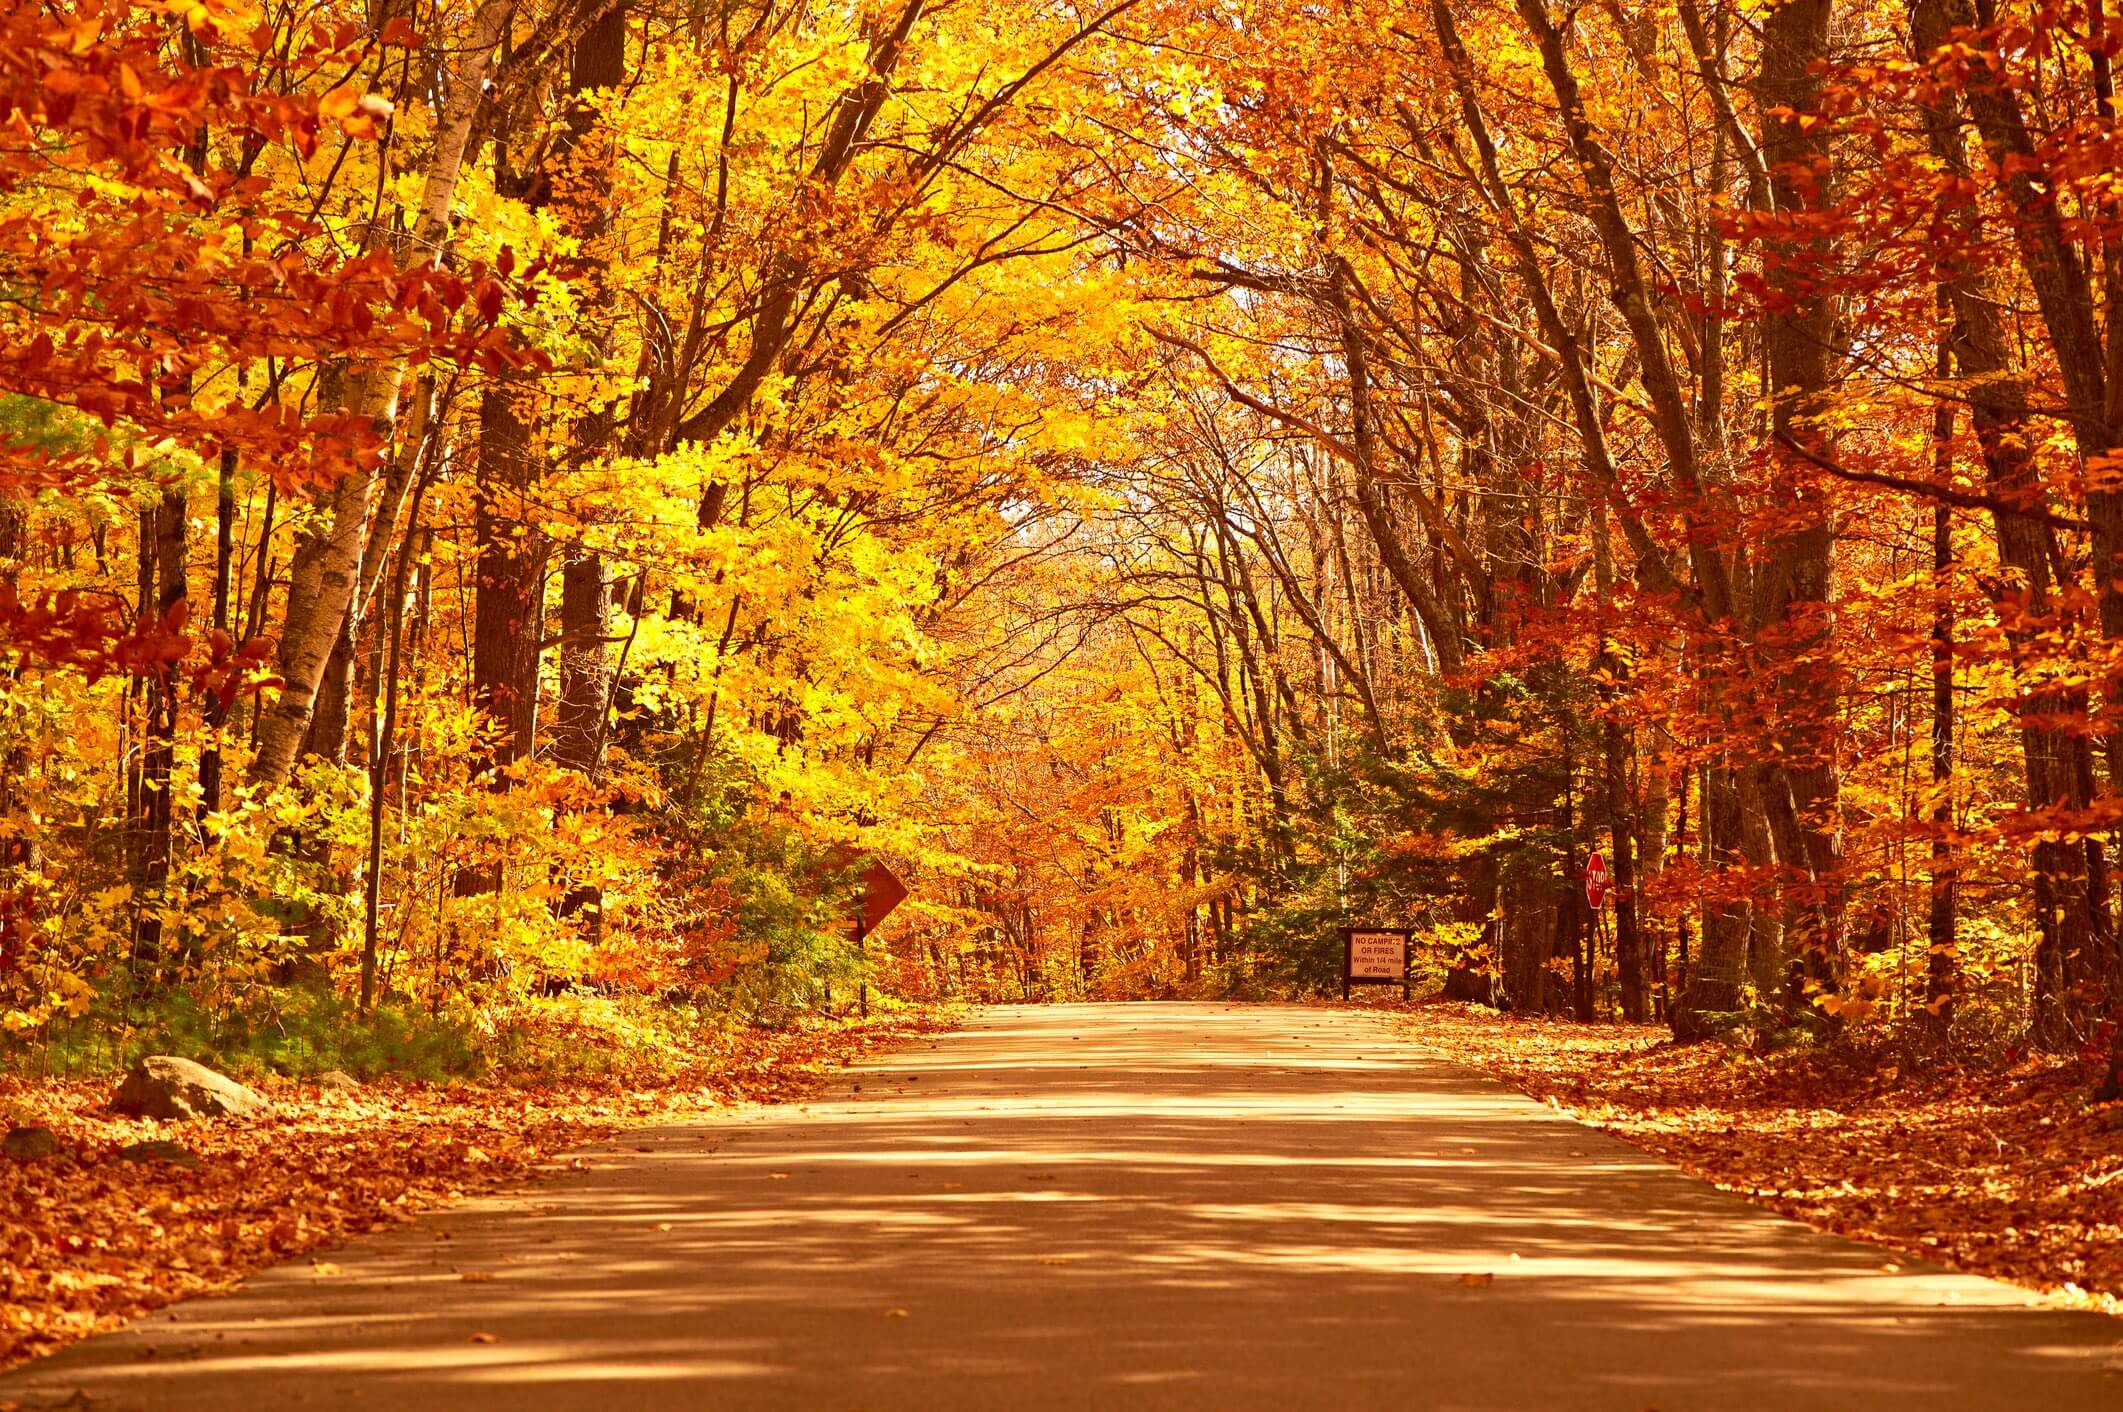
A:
(1375, 956)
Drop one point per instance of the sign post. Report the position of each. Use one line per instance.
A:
(1375, 956)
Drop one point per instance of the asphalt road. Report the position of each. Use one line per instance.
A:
(1113, 1206)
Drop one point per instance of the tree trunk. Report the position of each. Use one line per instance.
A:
(509, 608)
(2071, 910)
(383, 746)
(327, 566)
(1802, 786)
(1621, 812)
(586, 604)
(1718, 974)
(331, 714)
(585, 660)
(157, 813)
(217, 709)
(1941, 966)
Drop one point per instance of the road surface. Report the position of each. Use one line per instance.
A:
(1113, 1206)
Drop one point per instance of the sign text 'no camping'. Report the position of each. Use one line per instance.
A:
(1374, 956)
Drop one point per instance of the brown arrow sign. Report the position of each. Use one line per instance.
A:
(881, 892)
(881, 888)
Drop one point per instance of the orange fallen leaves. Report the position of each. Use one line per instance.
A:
(90, 1241)
(2005, 1172)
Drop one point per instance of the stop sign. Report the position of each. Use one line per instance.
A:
(1596, 881)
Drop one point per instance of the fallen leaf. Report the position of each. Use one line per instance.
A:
(1994, 1166)
(141, 1235)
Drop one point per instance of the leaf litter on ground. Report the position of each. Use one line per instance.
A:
(2004, 1169)
(89, 1241)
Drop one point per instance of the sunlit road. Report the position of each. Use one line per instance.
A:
(1146, 1206)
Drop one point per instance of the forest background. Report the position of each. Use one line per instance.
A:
(506, 507)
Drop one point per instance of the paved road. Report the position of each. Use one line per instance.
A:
(1093, 1207)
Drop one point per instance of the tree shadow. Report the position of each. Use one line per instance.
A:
(1160, 1206)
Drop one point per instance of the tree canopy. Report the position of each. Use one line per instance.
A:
(504, 505)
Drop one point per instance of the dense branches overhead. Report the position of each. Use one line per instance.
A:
(1171, 475)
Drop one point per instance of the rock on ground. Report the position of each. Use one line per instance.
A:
(160, 1151)
(163, 1086)
(25, 1143)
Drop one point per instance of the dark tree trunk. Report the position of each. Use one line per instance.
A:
(1802, 788)
(585, 660)
(1621, 810)
(509, 606)
(19, 851)
(2071, 910)
(1942, 966)
(157, 816)
(217, 708)
(509, 612)
(330, 715)
(1716, 978)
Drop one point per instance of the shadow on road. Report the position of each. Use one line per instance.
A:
(1101, 1206)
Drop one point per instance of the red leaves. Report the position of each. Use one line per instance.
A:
(89, 632)
(86, 630)
(231, 672)
(157, 277)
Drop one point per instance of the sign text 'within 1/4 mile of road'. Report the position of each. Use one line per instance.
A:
(1374, 956)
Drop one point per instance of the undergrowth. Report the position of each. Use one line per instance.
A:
(307, 1030)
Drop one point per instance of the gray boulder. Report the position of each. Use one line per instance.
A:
(163, 1086)
(338, 1081)
(23, 1144)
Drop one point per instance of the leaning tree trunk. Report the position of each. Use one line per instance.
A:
(327, 566)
